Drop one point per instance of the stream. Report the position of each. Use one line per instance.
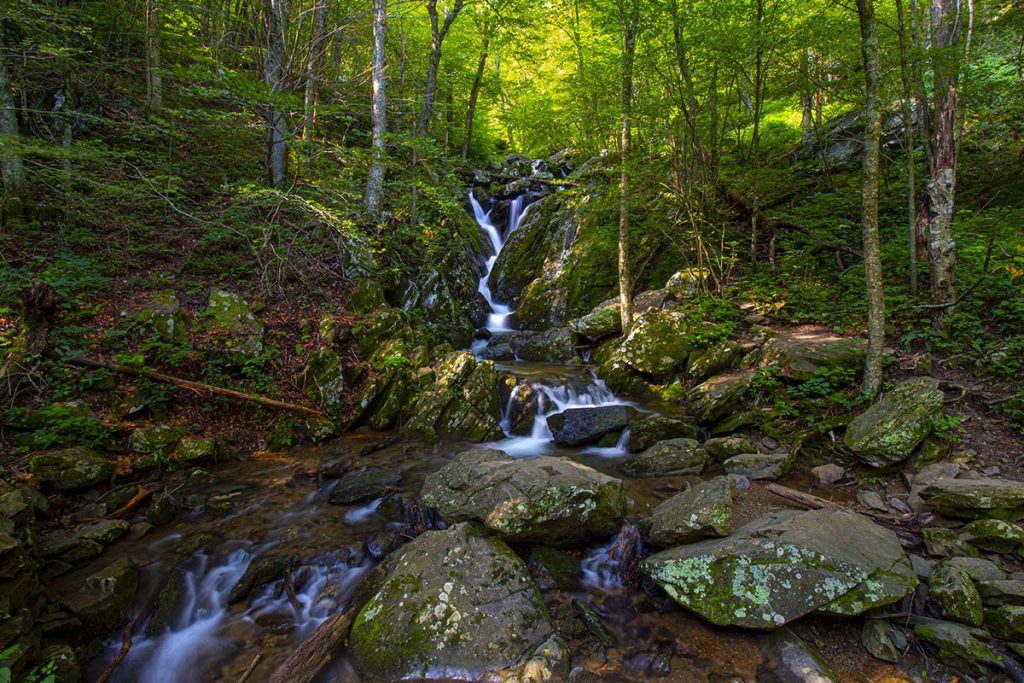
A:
(641, 634)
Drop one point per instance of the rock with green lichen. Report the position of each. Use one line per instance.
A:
(719, 396)
(463, 403)
(319, 429)
(454, 604)
(103, 602)
(668, 458)
(785, 565)
(799, 356)
(603, 321)
(688, 281)
(650, 430)
(706, 363)
(890, 430)
(721, 448)
(323, 380)
(1006, 621)
(993, 535)
(621, 379)
(953, 591)
(231, 322)
(976, 498)
(876, 638)
(759, 465)
(164, 318)
(549, 500)
(659, 343)
(956, 643)
(71, 468)
(704, 510)
(943, 542)
(977, 568)
(1001, 592)
(158, 440)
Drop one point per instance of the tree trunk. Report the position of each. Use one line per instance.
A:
(756, 134)
(274, 75)
(908, 143)
(10, 160)
(924, 118)
(629, 26)
(316, 59)
(942, 181)
(474, 92)
(154, 88)
(375, 182)
(869, 217)
(437, 36)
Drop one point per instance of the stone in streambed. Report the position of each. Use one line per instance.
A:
(539, 500)
(890, 430)
(576, 426)
(365, 485)
(786, 565)
(650, 430)
(261, 571)
(704, 510)
(759, 465)
(454, 603)
(668, 458)
(102, 604)
(976, 498)
(954, 592)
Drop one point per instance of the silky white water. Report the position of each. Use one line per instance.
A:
(497, 321)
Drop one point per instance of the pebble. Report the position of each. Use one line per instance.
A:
(872, 501)
(829, 474)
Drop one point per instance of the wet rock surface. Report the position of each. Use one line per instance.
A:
(576, 426)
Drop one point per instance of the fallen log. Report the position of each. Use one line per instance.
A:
(198, 387)
(316, 652)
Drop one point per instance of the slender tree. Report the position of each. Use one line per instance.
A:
(154, 86)
(869, 213)
(474, 94)
(630, 15)
(438, 32)
(317, 47)
(275, 75)
(378, 108)
(908, 144)
(10, 159)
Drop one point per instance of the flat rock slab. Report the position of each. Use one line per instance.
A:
(549, 500)
(668, 458)
(453, 604)
(576, 426)
(759, 465)
(785, 565)
(976, 498)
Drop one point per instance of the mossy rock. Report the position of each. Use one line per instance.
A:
(722, 448)
(993, 535)
(759, 465)
(451, 601)
(164, 318)
(545, 499)
(237, 330)
(704, 510)
(890, 430)
(102, 604)
(367, 296)
(1006, 621)
(944, 542)
(323, 380)
(786, 565)
(706, 363)
(976, 498)
(799, 357)
(648, 431)
(958, 644)
(158, 440)
(463, 402)
(604, 321)
(659, 343)
(719, 396)
(71, 468)
(954, 592)
(319, 429)
(668, 458)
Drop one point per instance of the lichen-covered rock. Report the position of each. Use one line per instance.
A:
(158, 440)
(234, 326)
(323, 380)
(943, 542)
(538, 500)
(384, 324)
(687, 282)
(994, 535)
(799, 356)
(319, 429)
(786, 565)
(650, 430)
(976, 498)
(576, 426)
(659, 343)
(706, 363)
(956, 643)
(462, 404)
(719, 396)
(890, 430)
(759, 465)
(953, 591)
(71, 468)
(668, 458)
(603, 321)
(623, 380)
(164, 318)
(102, 604)
(722, 448)
(557, 345)
(453, 603)
(1001, 592)
(704, 510)
(1006, 621)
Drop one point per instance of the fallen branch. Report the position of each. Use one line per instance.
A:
(198, 387)
(126, 644)
(252, 667)
(316, 652)
(142, 494)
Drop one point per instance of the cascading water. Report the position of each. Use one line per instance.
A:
(497, 321)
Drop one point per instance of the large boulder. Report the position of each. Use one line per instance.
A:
(719, 396)
(323, 379)
(575, 426)
(951, 588)
(453, 603)
(890, 430)
(654, 428)
(603, 321)
(71, 468)
(668, 458)
(234, 326)
(976, 498)
(659, 343)
(557, 345)
(799, 356)
(539, 500)
(785, 565)
(704, 510)
(463, 402)
(103, 602)
(705, 363)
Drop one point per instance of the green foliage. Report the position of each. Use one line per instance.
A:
(61, 424)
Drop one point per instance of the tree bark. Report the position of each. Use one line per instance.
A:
(756, 133)
(908, 143)
(474, 92)
(306, 662)
(275, 75)
(375, 182)
(437, 36)
(317, 46)
(629, 26)
(154, 87)
(10, 160)
(942, 180)
(873, 369)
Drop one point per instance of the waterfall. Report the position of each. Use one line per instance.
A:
(497, 321)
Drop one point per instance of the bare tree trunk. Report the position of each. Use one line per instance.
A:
(317, 46)
(437, 36)
(154, 87)
(474, 92)
(924, 117)
(712, 163)
(375, 182)
(756, 134)
(274, 76)
(908, 143)
(400, 108)
(869, 217)
(10, 160)
(629, 26)
(942, 181)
